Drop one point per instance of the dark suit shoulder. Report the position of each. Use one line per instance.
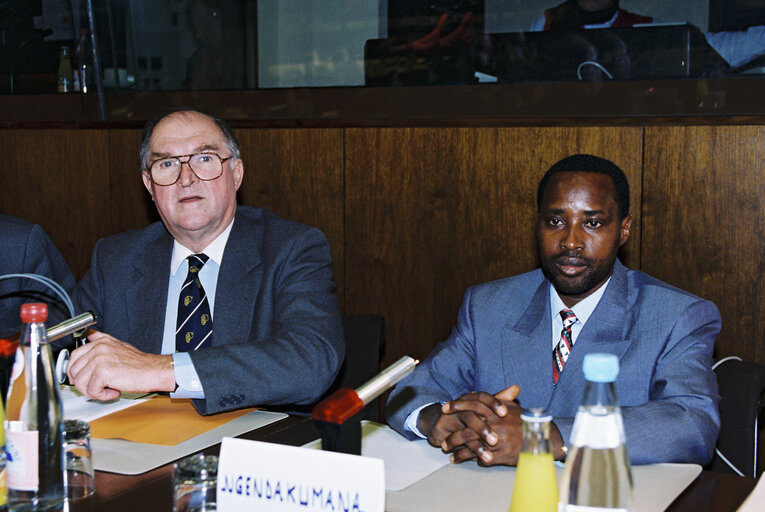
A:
(274, 230)
(14, 227)
(269, 220)
(129, 242)
(15, 234)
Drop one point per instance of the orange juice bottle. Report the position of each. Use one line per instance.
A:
(536, 487)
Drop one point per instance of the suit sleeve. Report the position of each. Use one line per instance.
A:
(447, 373)
(302, 354)
(679, 422)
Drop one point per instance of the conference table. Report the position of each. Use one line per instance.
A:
(152, 491)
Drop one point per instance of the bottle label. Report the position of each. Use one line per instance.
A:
(21, 462)
(3, 483)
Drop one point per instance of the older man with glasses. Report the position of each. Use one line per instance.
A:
(229, 305)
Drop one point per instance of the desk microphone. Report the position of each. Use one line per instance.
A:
(75, 325)
(338, 417)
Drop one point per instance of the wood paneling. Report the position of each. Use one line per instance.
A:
(131, 206)
(298, 174)
(431, 211)
(704, 199)
(58, 179)
(416, 215)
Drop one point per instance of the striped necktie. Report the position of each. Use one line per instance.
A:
(565, 344)
(194, 324)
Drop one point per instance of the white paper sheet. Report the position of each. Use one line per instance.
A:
(467, 486)
(79, 407)
(406, 461)
(419, 477)
(129, 458)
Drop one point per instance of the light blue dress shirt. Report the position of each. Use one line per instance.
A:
(583, 310)
(189, 385)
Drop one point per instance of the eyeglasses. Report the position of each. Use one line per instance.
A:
(205, 166)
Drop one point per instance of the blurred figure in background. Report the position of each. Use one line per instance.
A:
(205, 68)
(578, 14)
(27, 249)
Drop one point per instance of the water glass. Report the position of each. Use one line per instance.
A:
(79, 479)
(194, 483)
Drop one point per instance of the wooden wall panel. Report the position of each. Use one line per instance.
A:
(131, 206)
(416, 215)
(430, 211)
(58, 179)
(704, 201)
(298, 174)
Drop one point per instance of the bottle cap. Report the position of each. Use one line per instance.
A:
(536, 415)
(34, 312)
(600, 367)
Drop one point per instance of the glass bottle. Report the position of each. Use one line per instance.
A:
(598, 475)
(83, 59)
(65, 75)
(536, 488)
(33, 425)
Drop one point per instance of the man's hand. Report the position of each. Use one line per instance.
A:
(464, 420)
(471, 444)
(105, 366)
(493, 435)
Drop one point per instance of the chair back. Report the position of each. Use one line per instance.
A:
(742, 384)
(364, 344)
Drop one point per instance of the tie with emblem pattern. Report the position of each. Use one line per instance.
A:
(565, 344)
(194, 323)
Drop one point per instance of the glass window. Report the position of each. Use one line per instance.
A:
(247, 45)
(241, 44)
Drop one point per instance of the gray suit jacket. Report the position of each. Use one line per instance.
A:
(277, 329)
(663, 336)
(27, 249)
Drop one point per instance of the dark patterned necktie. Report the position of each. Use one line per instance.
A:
(565, 344)
(194, 324)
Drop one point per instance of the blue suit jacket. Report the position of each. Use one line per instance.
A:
(663, 336)
(26, 249)
(278, 332)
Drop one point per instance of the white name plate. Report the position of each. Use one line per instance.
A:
(263, 476)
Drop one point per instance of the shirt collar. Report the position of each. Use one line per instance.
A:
(582, 309)
(606, 24)
(214, 251)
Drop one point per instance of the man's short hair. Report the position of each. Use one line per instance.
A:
(148, 130)
(591, 163)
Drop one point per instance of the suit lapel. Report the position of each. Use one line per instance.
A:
(237, 281)
(526, 350)
(147, 290)
(603, 332)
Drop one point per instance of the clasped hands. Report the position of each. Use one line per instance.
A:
(480, 426)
